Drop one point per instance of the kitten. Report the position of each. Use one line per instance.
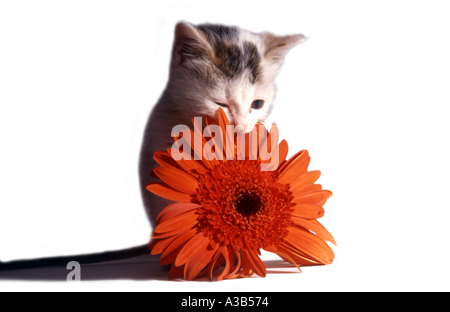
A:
(212, 66)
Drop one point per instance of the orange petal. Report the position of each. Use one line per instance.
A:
(174, 224)
(229, 146)
(252, 259)
(198, 242)
(197, 127)
(306, 189)
(175, 232)
(264, 144)
(216, 264)
(165, 159)
(173, 210)
(283, 150)
(238, 265)
(219, 154)
(228, 263)
(294, 170)
(212, 265)
(198, 261)
(187, 163)
(316, 227)
(198, 131)
(298, 256)
(170, 254)
(189, 166)
(201, 170)
(308, 211)
(164, 190)
(309, 244)
(272, 136)
(317, 198)
(162, 244)
(210, 121)
(198, 149)
(305, 179)
(183, 146)
(289, 163)
(177, 179)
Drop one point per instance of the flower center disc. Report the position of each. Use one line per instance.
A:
(248, 204)
(243, 206)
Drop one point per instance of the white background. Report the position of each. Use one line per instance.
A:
(367, 95)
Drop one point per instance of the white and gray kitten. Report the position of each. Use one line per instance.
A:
(212, 66)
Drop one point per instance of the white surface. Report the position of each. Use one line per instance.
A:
(367, 95)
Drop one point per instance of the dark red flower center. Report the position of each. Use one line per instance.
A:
(248, 204)
(243, 206)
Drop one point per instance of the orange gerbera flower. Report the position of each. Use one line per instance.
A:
(229, 210)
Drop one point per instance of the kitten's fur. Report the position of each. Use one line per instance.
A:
(212, 64)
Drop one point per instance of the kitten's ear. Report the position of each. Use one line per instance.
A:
(278, 46)
(189, 43)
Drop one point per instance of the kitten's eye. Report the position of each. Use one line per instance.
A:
(257, 104)
(221, 104)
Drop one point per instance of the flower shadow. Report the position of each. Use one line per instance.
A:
(130, 264)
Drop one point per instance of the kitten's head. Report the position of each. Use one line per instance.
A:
(217, 66)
